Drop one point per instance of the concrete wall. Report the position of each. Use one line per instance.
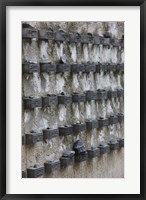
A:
(107, 166)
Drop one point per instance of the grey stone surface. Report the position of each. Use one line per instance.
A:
(40, 84)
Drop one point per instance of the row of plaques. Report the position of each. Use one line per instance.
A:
(49, 133)
(32, 102)
(61, 36)
(30, 68)
(79, 154)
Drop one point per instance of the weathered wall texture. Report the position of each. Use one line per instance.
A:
(109, 165)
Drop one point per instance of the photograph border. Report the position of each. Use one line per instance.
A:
(3, 6)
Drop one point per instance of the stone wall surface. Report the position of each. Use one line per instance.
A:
(109, 165)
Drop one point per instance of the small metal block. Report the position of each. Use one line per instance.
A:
(104, 148)
(107, 35)
(67, 159)
(90, 68)
(66, 162)
(31, 102)
(92, 153)
(101, 94)
(113, 67)
(46, 34)
(63, 68)
(64, 99)
(101, 40)
(29, 33)
(79, 127)
(90, 38)
(74, 38)
(113, 145)
(79, 147)
(96, 40)
(52, 166)
(122, 43)
(81, 157)
(120, 117)
(120, 93)
(91, 95)
(49, 100)
(30, 68)
(47, 67)
(35, 172)
(76, 68)
(99, 68)
(78, 97)
(107, 68)
(49, 133)
(115, 42)
(105, 41)
(112, 94)
(23, 140)
(86, 38)
(61, 36)
(113, 120)
(120, 68)
(121, 142)
(103, 122)
(80, 151)
(91, 124)
(24, 174)
(65, 130)
(33, 137)
(102, 68)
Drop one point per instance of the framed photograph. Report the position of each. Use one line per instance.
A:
(72, 122)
